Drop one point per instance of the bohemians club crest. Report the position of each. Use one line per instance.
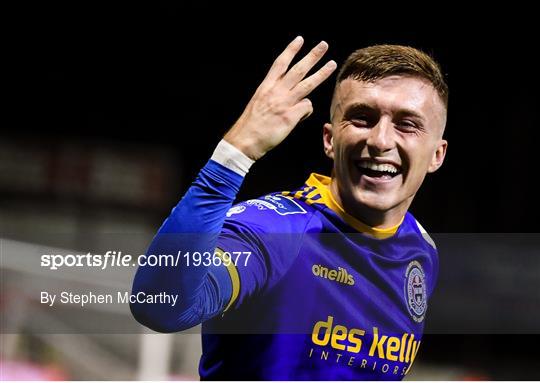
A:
(415, 291)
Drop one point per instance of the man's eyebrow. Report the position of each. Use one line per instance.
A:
(358, 107)
(410, 113)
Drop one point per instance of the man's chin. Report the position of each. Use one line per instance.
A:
(373, 201)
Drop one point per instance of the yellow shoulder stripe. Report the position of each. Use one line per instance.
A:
(233, 273)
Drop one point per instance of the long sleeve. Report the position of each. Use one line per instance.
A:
(193, 226)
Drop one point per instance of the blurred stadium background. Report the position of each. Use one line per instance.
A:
(121, 105)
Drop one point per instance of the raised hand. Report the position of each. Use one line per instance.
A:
(280, 102)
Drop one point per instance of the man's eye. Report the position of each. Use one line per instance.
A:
(360, 121)
(407, 125)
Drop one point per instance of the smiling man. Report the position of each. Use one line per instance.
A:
(329, 281)
(388, 118)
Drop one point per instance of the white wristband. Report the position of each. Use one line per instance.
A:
(232, 158)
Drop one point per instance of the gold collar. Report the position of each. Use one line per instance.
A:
(321, 184)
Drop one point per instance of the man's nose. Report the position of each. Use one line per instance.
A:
(381, 136)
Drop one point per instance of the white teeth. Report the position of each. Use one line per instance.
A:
(378, 167)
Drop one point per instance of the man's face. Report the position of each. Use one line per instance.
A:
(384, 137)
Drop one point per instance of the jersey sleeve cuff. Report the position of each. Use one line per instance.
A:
(232, 158)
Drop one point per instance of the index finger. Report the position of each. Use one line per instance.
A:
(282, 62)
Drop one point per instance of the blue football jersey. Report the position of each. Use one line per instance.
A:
(317, 294)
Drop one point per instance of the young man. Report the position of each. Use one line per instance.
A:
(329, 281)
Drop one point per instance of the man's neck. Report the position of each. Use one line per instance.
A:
(377, 219)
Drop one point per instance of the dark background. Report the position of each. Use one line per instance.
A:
(178, 75)
(173, 77)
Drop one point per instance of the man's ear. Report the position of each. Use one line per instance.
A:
(438, 156)
(328, 140)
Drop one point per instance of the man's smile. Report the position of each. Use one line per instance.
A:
(378, 171)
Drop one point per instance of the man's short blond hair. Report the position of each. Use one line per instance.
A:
(379, 61)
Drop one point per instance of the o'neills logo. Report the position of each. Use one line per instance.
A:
(340, 275)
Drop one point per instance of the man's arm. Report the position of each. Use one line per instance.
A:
(195, 223)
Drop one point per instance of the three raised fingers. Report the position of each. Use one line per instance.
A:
(302, 67)
(293, 79)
